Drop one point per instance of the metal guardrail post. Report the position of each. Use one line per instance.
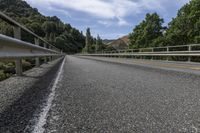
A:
(50, 57)
(189, 49)
(18, 68)
(152, 58)
(45, 58)
(167, 51)
(140, 51)
(18, 61)
(37, 59)
(132, 53)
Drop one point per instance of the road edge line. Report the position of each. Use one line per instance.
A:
(38, 128)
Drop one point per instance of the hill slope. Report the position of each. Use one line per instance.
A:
(119, 44)
(51, 28)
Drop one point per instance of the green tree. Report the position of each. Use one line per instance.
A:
(145, 34)
(88, 41)
(99, 44)
(185, 27)
(50, 28)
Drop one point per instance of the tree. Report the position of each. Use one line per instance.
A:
(99, 44)
(88, 41)
(49, 27)
(185, 27)
(147, 31)
(36, 28)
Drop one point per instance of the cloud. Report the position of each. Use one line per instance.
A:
(108, 23)
(122, 22)
(105, 22)
(105, 10)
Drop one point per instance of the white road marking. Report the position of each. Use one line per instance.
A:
(38, 128)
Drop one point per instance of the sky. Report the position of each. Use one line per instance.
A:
(110, 19)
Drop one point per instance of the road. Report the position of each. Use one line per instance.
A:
(92, 96)
(95, 96)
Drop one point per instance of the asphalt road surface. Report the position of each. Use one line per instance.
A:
(101, 97)
(91, 96)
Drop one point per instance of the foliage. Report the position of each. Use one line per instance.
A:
(99, 44)
(185, 27)
(147, 32)
(52, 29)
(8, 68)
(93, 44)
(88, 47)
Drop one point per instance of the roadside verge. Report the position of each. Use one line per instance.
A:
(21, 97)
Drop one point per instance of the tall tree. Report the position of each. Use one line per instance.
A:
(99, 44)
(88, 41)
(145, 34)
(185, 27)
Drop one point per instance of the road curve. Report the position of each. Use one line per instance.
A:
(95, 96)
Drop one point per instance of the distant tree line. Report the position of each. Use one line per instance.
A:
(52, 29)
(93, 45)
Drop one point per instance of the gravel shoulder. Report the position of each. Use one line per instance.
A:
(21, 97)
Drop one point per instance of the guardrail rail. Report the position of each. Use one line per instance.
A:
(188, 51)
(15, 48)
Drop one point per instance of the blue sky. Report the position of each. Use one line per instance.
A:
(110, 19)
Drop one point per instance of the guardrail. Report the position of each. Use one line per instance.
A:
(188, 51)
(15, 48)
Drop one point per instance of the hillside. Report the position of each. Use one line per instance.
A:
(106, 41)
(125, 39)
(52, 29)
(62, 35)
(119, 44)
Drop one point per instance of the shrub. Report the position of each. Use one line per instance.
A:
(9, 68)
(2, 75)
(26, 65)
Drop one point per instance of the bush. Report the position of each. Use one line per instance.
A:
(2, 75)
(26, 65)
(9, 68)
(1, 66)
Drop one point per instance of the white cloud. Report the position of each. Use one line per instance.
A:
(105, 10)
(105, 22)
(122, 22)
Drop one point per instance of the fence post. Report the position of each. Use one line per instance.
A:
(132, 53)
(152, 50)
(18, 61)
(45, 58)
(189, 49)
(167, 52)
(37, 59)
(50, 57)
(141, 56)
